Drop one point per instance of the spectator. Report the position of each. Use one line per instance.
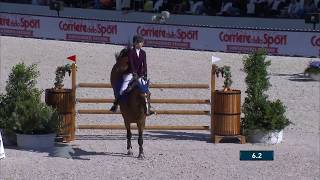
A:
(126, 4)
(317, 3)
(228, 9)
(260, 8)
(185, 6)
(157, 5)
(251, 8)
(138, 5)
(165, 6)
(211, 7)
(106, 4)
(240, 6)
(197, 7)
(72, 3)
(22, 1)
(180, 6)
(309, 7)
(148, 6)
(275, 7)
(40, 2)
(295, 9)
(97, 4)
(171, 4)
(257, 8)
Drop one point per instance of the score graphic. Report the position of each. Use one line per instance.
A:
(256, 156)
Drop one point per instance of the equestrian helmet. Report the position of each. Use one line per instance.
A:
(137, 39)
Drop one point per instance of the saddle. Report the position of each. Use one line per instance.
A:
(134, 83)
(143, 87)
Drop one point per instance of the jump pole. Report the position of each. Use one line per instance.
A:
(73, 88)
(104, 85)
(213, 88)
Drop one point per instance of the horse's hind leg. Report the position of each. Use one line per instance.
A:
(140, 142)
(129, 135)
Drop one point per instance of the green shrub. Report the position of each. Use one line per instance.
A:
(259, 112)
(60, 74)
(21, 108)
(2, 112)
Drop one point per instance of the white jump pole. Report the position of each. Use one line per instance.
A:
(2, 154)
(213, 88)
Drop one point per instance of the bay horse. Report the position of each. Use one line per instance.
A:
(132, 105)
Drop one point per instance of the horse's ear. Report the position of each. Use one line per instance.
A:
(129, 46)
(116, 55)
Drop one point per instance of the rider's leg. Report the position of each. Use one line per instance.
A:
(115, 104)
(126, 80)
(143, 83)
(150, 108)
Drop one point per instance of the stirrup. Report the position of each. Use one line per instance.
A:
(150, 113)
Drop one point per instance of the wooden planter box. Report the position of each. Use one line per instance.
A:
(227, 112)
(63, 101)
(36, 141)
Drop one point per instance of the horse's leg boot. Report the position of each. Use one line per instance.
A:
(140, 142)
(129, 147)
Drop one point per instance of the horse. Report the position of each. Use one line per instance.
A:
(133, 107)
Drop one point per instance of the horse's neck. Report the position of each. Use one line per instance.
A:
(137, 97)
(115, 75)
(134, 106)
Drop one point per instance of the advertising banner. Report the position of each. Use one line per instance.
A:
(276, 42)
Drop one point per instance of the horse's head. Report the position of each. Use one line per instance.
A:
(122, 60)
(137, 98)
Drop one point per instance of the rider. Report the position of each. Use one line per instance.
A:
(137, 70)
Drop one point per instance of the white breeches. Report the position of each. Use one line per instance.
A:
(126, 80)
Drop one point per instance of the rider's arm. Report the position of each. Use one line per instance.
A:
(131, 61)
(145, 67)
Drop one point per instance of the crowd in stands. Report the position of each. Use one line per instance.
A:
(254, 8)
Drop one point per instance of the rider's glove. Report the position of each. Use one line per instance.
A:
(135, 76)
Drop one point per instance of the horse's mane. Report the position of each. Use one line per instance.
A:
(123, 53)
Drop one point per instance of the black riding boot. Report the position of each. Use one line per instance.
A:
(115, 105)
(116, 100)
(149, 112)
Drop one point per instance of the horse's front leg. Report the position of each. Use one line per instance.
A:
(140, 142)
(129, 135)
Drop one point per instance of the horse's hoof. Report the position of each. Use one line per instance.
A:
(130, 153)
(141, 157)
